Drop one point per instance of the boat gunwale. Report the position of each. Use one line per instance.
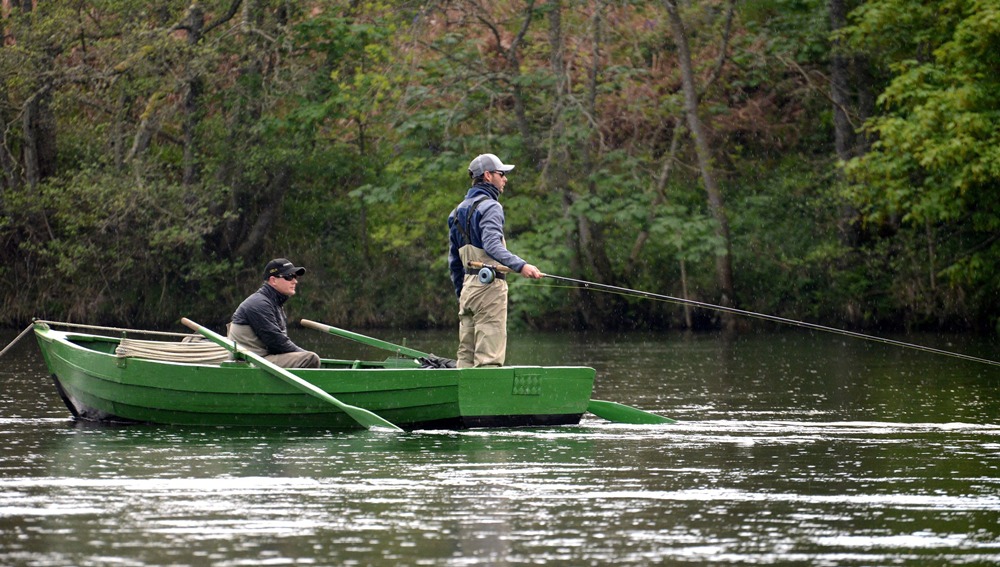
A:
(73, 340)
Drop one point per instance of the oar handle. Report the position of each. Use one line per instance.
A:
(19, 337)
(315, 325)
(364, 339)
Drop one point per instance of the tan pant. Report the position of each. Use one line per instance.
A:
(482, 323)
(245, 337)
(301, 359)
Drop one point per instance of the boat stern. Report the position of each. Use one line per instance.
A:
(517, 396)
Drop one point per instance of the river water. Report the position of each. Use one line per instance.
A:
(792, 448)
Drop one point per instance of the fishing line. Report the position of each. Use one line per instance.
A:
(593, 286)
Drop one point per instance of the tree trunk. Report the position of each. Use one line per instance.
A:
(38, 150)
(587, 239)
(253, 205)
(843, 131)
(844, 137)
(195, 26)
(509, 50)
(723, 264)
(597, 249)
(252, 245)
(10, 177)
(520, 109)
(556, 171)
(659, 193)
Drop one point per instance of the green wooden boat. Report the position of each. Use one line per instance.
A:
(120, 379)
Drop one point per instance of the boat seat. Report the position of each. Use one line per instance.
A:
(194, 352)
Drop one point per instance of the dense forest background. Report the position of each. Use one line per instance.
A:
(836, 161)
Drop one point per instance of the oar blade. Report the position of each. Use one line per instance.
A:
(621, 413)
(364, 417)
(368, 418)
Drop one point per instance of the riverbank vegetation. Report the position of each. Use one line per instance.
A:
(833, 161)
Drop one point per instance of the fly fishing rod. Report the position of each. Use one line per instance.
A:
(487, 273)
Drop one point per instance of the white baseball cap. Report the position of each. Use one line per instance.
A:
(487, 162)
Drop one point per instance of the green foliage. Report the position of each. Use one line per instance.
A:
(97, 237)
(790, 258)
(338, 134)
(793, 28)
(936, 163)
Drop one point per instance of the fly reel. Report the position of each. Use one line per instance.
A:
(487, 275)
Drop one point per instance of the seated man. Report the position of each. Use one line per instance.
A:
(259, 323)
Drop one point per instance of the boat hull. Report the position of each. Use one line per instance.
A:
(97, 385)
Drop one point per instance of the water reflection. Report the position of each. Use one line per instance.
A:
(791, 450)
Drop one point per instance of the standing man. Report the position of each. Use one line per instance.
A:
(476, 235)
(259, 323)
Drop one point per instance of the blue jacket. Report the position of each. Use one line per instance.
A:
(485, 231)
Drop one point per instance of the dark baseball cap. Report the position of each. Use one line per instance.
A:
(282, 267)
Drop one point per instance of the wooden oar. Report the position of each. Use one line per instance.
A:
(19, 337)
(361, 415)
(370, 341)
(611, 411)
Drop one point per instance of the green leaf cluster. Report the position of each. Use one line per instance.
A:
(934, 167)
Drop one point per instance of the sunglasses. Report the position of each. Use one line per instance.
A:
(289, 278)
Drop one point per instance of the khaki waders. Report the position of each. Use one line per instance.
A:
(482, 323)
